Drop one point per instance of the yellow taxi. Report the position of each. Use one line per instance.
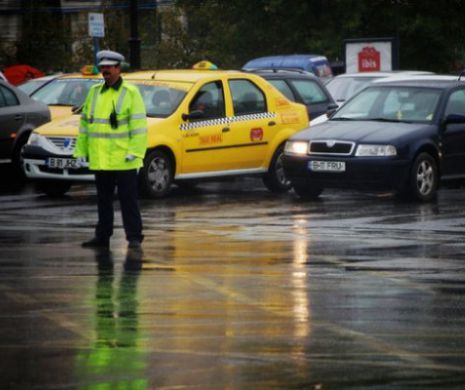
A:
(202, 125)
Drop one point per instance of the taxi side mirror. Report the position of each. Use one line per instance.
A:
(196, 114)
(76, 109)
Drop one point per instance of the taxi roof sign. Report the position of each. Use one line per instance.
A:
(204, 65)
(88, 70)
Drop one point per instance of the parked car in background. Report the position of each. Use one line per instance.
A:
(301, 87)
(65, 92)
(403, 136)
(202, 125)
(343, 86)
(19, 115)
(313, 63)
(32, 85)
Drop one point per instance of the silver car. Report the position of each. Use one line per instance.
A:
(19, 115)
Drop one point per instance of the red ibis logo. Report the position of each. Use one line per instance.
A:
(369, 60)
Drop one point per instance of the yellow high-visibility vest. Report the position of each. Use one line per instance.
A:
(104, 146)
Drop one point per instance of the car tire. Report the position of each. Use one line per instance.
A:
(16, 157)
(423, 181)
(156, 176)
(307, 191)
(53, 188)
(275, 179)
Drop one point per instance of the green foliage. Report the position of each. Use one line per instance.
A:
(229, 33)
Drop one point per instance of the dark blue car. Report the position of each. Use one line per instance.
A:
(403, 136)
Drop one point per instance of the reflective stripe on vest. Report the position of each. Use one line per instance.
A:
(94, 103)
(142, 130)
(120, 100)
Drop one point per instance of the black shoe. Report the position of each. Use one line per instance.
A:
(134, 244)
(95, 243)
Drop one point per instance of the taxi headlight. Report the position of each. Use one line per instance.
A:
(296, 147)
(36, 140)
(376, 151)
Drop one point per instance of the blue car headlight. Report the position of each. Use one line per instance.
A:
(365, 150)
(296, 147)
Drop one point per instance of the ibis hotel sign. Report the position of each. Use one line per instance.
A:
(370, 55)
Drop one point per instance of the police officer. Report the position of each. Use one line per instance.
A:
(113, 138)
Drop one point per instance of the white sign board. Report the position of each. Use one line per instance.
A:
(96, 25)
(368, 56)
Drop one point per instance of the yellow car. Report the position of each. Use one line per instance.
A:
(202, 124)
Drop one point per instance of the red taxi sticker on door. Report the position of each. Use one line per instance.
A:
(256, 134)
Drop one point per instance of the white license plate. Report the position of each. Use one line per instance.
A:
(327, 166)
(62, 163)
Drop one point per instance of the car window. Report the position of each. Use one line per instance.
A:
(310, 91)
(410, 104)
(397, 103)
(7, 97)
(247, 97)
(160, 101)
(282, 87)
(210, 100)
(31, 85)
(343, 88)
(66, 92)
(456, 103)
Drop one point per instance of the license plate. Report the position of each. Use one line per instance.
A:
(327, 166)
(62, 163)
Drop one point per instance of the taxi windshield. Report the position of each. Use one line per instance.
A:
(65, 92)
(392, 103)
(161, 100)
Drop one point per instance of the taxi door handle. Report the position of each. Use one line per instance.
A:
(225, 129)
(272, 123)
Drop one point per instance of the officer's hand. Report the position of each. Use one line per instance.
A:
(130, 157)
(81, 162)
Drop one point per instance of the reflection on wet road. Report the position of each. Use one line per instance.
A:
(235, 288)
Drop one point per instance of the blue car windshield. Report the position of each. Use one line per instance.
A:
(392, 103)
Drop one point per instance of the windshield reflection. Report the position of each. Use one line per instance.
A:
(65, 92)
(160, 101)
(392, 104)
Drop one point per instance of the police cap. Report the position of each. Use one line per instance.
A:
(108, 57)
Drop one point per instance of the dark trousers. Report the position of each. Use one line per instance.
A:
(126, 182)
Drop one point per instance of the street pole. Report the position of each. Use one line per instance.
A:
(134, 40)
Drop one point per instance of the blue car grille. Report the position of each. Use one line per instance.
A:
(331, 147)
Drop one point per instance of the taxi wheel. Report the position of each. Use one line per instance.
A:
(156, 176)
(53, 188)
(307, 191)
(423, 181)
(275, 180)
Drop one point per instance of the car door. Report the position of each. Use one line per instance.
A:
(12, 119)
(252, 126)
(454, 136)
(203, 137)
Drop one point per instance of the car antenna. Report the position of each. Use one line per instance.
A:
(461, 74)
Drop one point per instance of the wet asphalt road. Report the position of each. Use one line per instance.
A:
(236, 288)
